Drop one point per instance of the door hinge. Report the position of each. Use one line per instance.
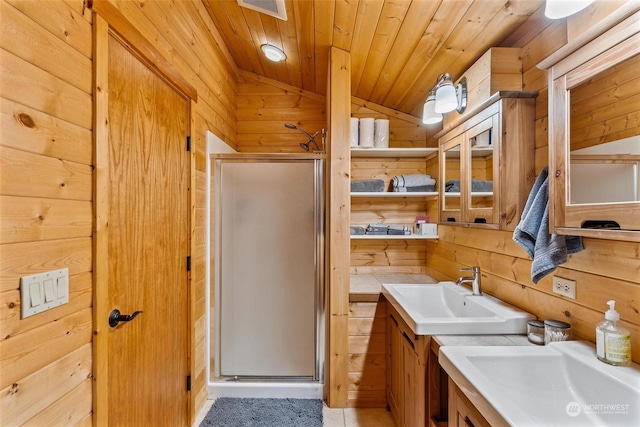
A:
(188, 382)
(189, 143)
(188, 263)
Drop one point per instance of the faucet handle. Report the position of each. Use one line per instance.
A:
(475, 269)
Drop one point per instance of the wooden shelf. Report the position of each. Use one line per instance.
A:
(393, 237)
(392, 152)
(393, 194)
(474, 194)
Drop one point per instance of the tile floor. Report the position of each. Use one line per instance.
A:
(337, 417)
(356, 417)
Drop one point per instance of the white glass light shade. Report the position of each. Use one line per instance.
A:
(446, 99)
(273, 53)
(429, 115)
(555, 9)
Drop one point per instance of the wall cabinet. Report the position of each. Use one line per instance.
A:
(487, 163)
(594, 135)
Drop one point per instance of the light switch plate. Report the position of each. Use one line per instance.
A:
(43, 291)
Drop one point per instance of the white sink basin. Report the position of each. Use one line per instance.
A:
(448, 309)
(559, 384)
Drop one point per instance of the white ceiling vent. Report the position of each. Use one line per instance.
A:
(273, 8)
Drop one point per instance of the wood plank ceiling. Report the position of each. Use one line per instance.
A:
(398, 47)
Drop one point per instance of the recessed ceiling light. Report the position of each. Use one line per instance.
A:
(273, 53)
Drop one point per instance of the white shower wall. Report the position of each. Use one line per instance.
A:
(267, 271)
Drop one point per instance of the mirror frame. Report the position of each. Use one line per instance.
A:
(609, 49)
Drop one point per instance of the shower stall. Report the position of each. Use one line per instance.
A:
(267, 290)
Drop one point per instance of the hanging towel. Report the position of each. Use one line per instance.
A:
(547, 251)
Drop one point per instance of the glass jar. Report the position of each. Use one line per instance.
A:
(555, 330)
(535, 331)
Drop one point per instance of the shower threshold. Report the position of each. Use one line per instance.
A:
(266, 387)
(262, 378)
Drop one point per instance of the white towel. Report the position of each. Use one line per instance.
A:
(353, 132)
(547, 251)
(366, 132)
(381, 133)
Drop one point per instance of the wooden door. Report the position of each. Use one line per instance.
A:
(148, 223)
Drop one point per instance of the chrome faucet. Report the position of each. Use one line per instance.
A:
(476, 285)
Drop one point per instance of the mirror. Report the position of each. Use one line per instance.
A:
(452, 175)
(604, 136)
(480, 202)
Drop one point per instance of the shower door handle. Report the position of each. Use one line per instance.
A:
(115, 317)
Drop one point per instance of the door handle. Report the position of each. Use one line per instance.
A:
(115, 317)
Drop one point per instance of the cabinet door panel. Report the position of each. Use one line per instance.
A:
(481, 177)
(395, 395)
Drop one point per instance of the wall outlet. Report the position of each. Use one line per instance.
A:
(564, 287)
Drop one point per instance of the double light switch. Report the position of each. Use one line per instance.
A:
(43, 291)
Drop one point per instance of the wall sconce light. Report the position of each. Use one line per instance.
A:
(448, 97)
(273, 53)
(556, 9)
(444, 97)
(429, 115)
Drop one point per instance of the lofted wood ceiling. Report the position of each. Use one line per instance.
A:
(398, 47)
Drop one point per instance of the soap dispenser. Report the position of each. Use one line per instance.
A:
(613, 343)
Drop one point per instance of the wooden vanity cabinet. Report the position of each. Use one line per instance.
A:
(462, 413)
(491, 155)
(406, 375)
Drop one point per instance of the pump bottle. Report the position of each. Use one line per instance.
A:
(613, 343)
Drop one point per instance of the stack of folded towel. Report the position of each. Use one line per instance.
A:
(413, 183)
(367, 185)
(453, 186)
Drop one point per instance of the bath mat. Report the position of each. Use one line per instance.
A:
(244, 412)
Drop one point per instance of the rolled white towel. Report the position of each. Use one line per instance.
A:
(353, 134)
(381, 133)
(366, 132)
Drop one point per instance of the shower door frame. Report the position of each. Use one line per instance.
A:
(215, 241)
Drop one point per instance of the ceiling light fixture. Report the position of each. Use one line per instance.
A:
(556, 9)
(273, 53)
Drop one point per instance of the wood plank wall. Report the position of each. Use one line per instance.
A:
(604, 270)
(367, 355)
(46, 188)
(265, 105)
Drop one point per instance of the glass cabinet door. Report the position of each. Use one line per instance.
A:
(480, 173)
(450, 182)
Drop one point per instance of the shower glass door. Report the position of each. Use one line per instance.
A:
(268, 268)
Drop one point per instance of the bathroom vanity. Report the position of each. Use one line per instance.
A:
(419, 392)
(435, 378)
